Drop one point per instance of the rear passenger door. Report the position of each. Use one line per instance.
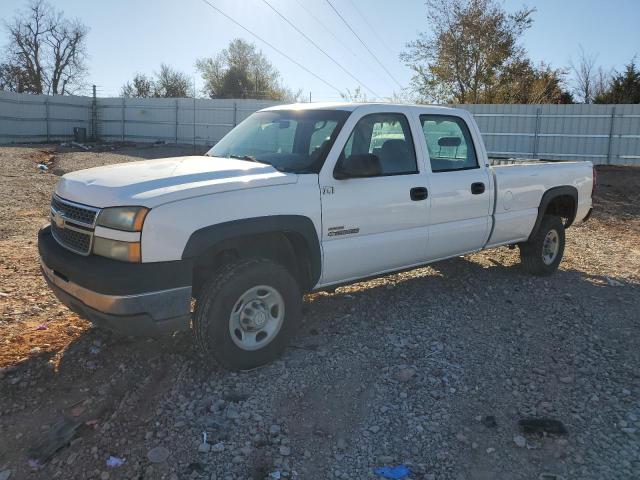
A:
(378, 223)
(460, 188)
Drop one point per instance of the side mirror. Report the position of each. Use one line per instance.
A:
(358, 166)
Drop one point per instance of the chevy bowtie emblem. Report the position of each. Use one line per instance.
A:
(58, 220)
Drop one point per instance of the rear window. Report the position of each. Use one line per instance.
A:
(449, 143)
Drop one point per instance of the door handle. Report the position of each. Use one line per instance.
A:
(477, 188)
(419, 193)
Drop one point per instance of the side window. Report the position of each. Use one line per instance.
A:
(449, 143)
(387, 136)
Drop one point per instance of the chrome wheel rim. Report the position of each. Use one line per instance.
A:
(550, 247)
(256, 317)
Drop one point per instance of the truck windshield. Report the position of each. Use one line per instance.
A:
(291, 140)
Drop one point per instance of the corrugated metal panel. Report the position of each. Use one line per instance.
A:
(600, 133)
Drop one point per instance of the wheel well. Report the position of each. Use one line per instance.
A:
(563, 206)
(286, 248)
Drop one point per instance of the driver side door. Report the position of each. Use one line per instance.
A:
(375, 223)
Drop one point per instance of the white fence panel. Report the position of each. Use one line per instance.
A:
(600, 133)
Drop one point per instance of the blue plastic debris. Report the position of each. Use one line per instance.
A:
(396, 473)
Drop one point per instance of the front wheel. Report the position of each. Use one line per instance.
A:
(542, 254)
(247, 312)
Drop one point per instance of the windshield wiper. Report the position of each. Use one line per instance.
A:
(248, 158)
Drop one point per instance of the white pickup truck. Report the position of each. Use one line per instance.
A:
(294, 199)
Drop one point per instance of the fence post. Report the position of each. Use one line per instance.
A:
(124, 106)
(46, 113)
(177, 106)
(613, 119)
(235, 114)
(536, 134)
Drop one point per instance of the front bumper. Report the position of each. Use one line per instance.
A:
(134, 299)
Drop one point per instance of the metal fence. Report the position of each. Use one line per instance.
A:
(33, 118)
(604, 134)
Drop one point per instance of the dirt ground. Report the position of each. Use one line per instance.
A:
(72, 396)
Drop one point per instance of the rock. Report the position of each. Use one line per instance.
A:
(489, 421)
(491, 450)
(405, 374)
(238, 459)
(285, 451)
(72, 458)
(341, 444)
(385, 459)
(628, 430)
(274, 429)
(104, 476)
(5, 474)
(158, 454)
(374, 429)
(461, 437)
(567, 379)
(218, 447)
(520, 441)
(204, 447)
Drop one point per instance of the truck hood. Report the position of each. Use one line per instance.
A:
(153, 182)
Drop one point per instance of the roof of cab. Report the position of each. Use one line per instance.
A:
(349, 106)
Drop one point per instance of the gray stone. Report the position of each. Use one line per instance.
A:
(158, 454)
(520, 441)
(204, 447)
(285, 451)
(274, 429)
(374, 429)
(218, 447)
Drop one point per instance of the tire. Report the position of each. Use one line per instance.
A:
(235, 302)
(535, 256)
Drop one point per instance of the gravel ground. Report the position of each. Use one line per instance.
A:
(431, 368)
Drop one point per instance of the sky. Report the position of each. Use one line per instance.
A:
(130, 36)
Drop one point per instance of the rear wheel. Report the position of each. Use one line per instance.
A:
(247, 312)
(542, 254)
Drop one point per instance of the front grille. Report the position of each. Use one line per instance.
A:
(72, 239)
(72, 225)
(74, 212)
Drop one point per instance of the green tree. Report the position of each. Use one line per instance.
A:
(624, 87)
(467, 51)
(242, 71)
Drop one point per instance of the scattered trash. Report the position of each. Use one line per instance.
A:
(58, 436)
(42, 326)
(489, 421)
(398, 472)
(114, 462)
(42, 167)
(542, 425)
(2, 294)
(80, 145)
(613, 283)
(91, 423)
(275, 475)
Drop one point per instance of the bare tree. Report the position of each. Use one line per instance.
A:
(46, 51)
(171, 83)
(140, 87)
(167, 83)
(585, 74)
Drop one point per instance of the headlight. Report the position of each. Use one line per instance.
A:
(123, 251)
(129, 219)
